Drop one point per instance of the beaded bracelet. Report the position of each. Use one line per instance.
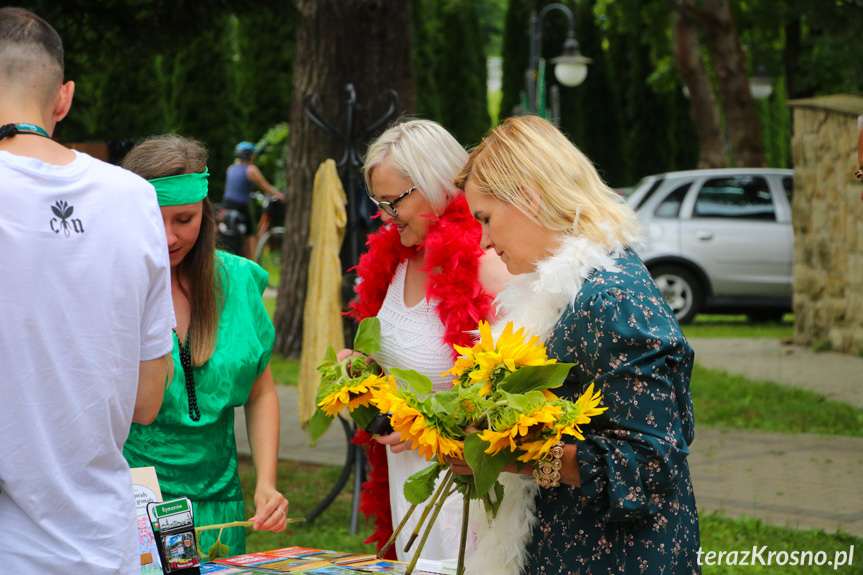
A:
(546, 472)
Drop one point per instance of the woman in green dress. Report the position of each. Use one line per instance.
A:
(222, 346)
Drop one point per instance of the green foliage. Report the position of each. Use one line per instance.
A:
(272, 155)
(516, 55)
(427, 37)
(491, 18)
(265, 68)
(658, 131)
(190, 104)
(451, 67)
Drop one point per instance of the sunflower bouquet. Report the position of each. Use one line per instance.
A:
(350, 383)
(499, 411)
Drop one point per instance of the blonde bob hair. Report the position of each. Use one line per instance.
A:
(529, 163)
(425, 153)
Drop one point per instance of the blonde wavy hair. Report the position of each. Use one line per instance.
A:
(425, 153)
(529, 163)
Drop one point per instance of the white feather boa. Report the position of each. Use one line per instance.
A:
(534, 301)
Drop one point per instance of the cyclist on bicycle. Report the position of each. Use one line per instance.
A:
(242, 177)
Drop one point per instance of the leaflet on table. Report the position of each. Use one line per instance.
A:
(338, 557)
(385, 566)
(295, 559)
(445, 567)
(174, 530)
(145, 487)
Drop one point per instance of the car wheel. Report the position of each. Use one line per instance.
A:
(681, 290)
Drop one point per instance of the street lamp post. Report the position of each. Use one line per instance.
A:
(570, 68)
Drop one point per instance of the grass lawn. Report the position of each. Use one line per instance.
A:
(719, 533)
(738, 326)
(305, 485)
(723, 400)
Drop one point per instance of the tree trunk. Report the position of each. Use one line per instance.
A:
(366, 43)
(729, 63)
(705, 114)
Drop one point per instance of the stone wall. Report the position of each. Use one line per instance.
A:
(827, 214)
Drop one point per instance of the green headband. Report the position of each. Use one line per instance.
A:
(181, 190)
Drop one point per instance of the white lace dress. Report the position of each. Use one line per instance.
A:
(412, 338)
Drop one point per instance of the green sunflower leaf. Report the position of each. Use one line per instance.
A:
(364, 414)
(420, 383)
(368, 338)
(486, 468)
(331, 354)
(318, 424)
(420, 485)
(445, 402)
(535, 377)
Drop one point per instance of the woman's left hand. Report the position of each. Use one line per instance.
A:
(459, 466)
(271, 510)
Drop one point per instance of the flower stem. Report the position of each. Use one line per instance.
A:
(395, 534)
(444, 484)
(464, 522)
(438, 506)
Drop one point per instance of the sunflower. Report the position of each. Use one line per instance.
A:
(427, 434)
(573, 415)
(526, 425)
(489, 361)
(353, 394)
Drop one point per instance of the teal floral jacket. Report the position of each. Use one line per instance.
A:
(635, 510)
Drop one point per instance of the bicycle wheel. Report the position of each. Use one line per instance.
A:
(268, 254)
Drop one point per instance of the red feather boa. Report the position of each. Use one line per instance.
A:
(452, 254)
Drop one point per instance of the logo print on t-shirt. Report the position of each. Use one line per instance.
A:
(64, 211)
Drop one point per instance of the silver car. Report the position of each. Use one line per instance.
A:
(719, 240)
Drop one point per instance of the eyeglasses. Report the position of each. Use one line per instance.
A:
(390, 207)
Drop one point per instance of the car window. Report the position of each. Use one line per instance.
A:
(646, 196)
(670, 205)
(741, 197)
(788, 185)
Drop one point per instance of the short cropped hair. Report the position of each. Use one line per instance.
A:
(424, 152)
(24, 29)
(529, 163)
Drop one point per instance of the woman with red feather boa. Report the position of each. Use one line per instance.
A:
(428, 281)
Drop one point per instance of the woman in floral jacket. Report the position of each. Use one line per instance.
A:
(621, 501)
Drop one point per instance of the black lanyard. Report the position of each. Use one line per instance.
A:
(22, 128)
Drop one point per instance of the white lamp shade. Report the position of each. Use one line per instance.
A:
(570, 71)
(760, 87)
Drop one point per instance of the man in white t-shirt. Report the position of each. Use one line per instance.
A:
(85, 325)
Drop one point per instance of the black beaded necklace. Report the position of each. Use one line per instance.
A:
(186, 362)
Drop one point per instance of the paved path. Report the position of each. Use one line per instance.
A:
(800, 481)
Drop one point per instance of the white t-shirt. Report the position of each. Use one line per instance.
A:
(84, 297)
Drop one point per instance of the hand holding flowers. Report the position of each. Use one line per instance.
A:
(499, 413)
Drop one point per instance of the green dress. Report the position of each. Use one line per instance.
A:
(198, 459)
